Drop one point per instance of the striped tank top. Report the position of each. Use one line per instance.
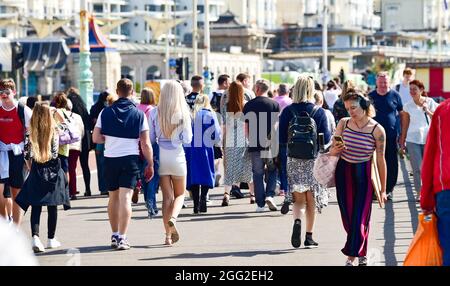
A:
(359, 145)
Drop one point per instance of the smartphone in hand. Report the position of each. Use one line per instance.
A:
(339, 140)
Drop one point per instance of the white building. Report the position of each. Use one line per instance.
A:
(342, 13)
(109, 9)
(260, 13)
(411, 15)
(9, 18)
(184, 30)
(137, 30)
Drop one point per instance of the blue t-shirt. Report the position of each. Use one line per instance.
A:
(386, 110)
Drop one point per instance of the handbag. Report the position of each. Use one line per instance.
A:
(324, 169)
(375, 178)
(67, 131)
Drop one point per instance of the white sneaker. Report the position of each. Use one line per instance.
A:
(37, 244)
(260, 210)
(271, 204)
(53, 243)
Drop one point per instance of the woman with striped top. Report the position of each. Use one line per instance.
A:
(361, 137)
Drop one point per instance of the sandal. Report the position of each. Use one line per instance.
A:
(168, 240)
(252, 199)
(173, 230)
(226, 200)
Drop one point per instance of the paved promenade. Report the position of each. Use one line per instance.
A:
(227, 236)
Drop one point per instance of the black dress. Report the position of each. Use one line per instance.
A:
(46, 185)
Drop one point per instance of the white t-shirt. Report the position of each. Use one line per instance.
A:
(418, 126)
(405, 94)
(331, 120)
(331, 96)
(120, 147)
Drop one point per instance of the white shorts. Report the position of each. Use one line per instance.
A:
(172, 162)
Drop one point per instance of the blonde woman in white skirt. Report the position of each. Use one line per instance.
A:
(170, 127)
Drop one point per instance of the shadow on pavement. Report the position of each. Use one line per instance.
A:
(88, 249)
(390, 229)
(223, 254)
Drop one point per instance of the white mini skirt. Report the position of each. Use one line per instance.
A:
(172, 162)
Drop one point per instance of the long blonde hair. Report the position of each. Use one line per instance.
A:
(303, 90)
(173, 111)
(42, 129)
(201, 102)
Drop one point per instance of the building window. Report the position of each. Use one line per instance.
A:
(201, 9)
(3, 33)
(98, 8)
(2, 9)
(152, 73)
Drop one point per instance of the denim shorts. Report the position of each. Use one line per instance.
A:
(121, 172)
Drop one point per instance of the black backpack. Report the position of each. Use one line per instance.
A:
(215, 101)
(302, 135)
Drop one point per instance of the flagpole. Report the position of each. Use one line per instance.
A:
(195, 36)
(439, 30)
(86, 82)
(167, 43)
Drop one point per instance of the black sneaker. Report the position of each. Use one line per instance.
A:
(310, 243)
(236, 192)
(285, 207)
(296, 231)
(114, 241)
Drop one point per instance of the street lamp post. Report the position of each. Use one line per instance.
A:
(86, 83)
(167, 43)
(325, 41)
(195, 36)
(207, 43)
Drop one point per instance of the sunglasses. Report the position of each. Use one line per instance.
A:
(6, 92)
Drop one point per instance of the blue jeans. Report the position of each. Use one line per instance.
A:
(391, 156)
(443, 224)
(258, 180)
(100, 160)
(150, 189)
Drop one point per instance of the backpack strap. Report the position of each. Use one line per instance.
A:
(314, 111)
(21, 112)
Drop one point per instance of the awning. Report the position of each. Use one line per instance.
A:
(5, 55)
(42, 54)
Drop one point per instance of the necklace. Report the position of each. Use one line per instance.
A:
(361, 128)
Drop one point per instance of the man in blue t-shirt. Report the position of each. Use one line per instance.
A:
(387, 103)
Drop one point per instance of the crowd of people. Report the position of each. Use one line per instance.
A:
(178, 142)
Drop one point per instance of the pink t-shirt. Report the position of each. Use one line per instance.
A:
(283, 101)
(146, 109)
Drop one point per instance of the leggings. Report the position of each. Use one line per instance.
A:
(36, 218)
(84, 162)
(199, 199)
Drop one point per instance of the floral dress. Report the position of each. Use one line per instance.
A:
(237, 162)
